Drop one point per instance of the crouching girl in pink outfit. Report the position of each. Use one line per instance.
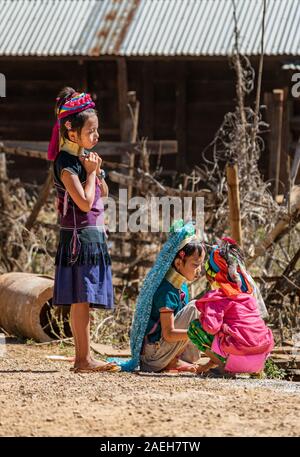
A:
(230, 330)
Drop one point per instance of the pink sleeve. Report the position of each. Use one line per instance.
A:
(199, 305)
(211, 317)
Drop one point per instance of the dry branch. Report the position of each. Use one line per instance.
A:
(285, 223)
(148, 184)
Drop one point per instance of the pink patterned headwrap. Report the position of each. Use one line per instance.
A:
(76, 104)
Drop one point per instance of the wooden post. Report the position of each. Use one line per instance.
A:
(125, 124)
(277, 132)
(129, 113)
(3, 180)
(278, 117)
(234, 203)
(123, 118)
(285, 139)
(135, 107)
(269, 102)
(82, 73)
(127, 101)
(148, 100)
(181, 105)
(3, 169)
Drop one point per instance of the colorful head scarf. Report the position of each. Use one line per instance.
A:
(76, 104)
(225, 269)
(178, 232)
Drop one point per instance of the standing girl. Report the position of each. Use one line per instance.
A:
(83, 273)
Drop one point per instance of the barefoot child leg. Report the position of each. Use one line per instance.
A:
(80, 324)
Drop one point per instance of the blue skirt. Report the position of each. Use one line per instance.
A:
(88, 278)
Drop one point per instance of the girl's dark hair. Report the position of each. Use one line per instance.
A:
(77, 120)
(189, 249)
(229, 250)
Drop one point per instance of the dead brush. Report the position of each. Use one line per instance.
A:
(22, 249)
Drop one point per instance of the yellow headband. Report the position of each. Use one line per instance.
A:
(188, 240)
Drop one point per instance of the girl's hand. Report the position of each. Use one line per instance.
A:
(90, 162)
(99, 165)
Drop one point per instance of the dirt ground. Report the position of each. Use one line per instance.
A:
(41, 397)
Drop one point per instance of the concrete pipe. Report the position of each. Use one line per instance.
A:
(25, 304)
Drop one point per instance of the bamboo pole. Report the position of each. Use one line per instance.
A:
(234, 203)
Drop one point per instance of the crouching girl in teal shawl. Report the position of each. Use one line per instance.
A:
(159, 339)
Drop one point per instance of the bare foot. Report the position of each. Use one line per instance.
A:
(180, 365)
(206, 367)
(220, 366)
(92, 365)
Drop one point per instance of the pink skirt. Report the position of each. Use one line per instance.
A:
(249, 363)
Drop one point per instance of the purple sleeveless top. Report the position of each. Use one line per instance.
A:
(82, 233)
(72, 217)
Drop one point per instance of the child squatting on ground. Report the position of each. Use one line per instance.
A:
(166, 344)
(82, 266)
(230, 330)
(162, 316)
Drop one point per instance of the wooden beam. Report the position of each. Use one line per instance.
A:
(146, 183)
(164, 147)
(38, 149)
(22, 127)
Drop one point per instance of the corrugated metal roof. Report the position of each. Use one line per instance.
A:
(206, 28)
(146, 27)
(63, 27)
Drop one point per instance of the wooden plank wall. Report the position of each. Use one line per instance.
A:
(27, 112)
(180, 100)
(187, 100)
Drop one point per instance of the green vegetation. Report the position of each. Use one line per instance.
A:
(272, 371)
